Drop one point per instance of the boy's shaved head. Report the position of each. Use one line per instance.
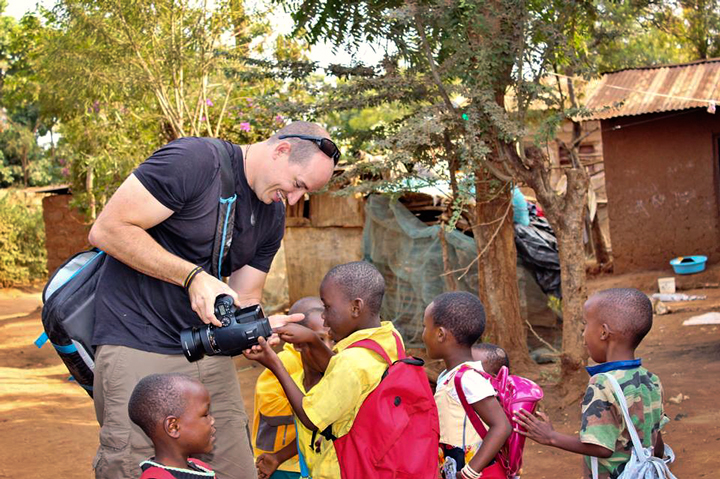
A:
(308, 316)
(493, 357)
(155, 398)
(303, 305)
(627, 311)
(359, 279)
(462, 314)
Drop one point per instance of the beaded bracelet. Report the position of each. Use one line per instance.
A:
(191, 275)
(470, 473)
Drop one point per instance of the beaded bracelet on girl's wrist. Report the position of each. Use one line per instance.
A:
(469, 473)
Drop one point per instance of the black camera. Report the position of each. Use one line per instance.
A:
(240, 330)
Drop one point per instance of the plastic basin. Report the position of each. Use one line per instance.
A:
(688, 264)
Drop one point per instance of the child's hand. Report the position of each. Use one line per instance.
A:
(538, 429)
(266, 464)
(278, 321)
(262, 353)
(296, 334)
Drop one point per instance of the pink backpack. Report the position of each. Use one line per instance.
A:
(514, 393)
(396, 432)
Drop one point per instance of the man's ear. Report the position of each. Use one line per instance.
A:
(282, 149)
(172, 426)
(356, 307)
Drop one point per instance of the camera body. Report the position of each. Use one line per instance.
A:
(240, 330)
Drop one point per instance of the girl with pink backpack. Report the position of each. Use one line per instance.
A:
(473, 407)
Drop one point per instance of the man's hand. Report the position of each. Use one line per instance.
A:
(203, 291)
(538, 429)
(279, 320)
(266, 465)
(296, 334)
(263, 353)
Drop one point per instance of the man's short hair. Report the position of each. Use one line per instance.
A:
(302, 150)
(156, 397)
(628, 312)
(461, 313)
(496, 357)
(359, 279)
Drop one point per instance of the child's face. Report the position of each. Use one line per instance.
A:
(197, 433)
(430, 334)
(337, 313)
(315, 323)
(593, 333)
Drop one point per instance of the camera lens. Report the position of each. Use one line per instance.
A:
(191, 343)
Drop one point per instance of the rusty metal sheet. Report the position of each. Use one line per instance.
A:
(656, 89)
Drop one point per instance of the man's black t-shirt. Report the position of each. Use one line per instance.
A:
(141, 312)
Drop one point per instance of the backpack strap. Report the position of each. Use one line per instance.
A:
(640, 452)
(226, 210)
(372, 345)
(304, 469)
(469, 411)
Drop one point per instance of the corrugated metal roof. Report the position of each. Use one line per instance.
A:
(656, 89)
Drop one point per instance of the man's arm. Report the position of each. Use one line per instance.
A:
(248, 283)
(120, 231)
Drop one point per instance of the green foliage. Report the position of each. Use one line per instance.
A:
(127, 77)
(693, 25)
(22, 240)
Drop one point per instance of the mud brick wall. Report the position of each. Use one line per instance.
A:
(65, 231)
(661, 174)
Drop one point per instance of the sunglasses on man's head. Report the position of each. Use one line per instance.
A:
(326, 145)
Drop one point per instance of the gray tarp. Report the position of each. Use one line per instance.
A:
(408, 254)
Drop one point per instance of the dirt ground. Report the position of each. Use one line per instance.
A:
(48, 427)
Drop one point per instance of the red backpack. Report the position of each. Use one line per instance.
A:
(514, 393)
(396, 432)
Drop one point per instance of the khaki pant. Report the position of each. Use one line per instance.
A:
(123, 445)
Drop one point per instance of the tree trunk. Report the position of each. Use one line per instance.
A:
(602, 255)
(574, 294)
(566, 218)
(497, 274)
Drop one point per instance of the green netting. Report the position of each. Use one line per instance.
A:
(409, 255)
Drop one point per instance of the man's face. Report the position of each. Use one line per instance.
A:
(282, 179)
(197, 431)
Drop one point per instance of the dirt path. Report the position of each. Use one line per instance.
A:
(48, 428)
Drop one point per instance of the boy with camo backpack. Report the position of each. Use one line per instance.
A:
(617, 320)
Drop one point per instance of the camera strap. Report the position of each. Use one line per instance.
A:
(226, 211)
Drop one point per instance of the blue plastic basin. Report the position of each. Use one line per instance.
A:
(688, 264)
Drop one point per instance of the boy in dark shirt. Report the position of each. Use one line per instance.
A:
(174, 411)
